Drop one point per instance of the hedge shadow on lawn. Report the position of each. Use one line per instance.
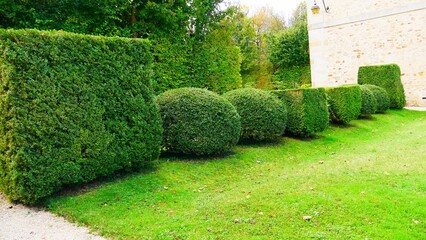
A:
(367, 117)
(256, 143)
(171, 156)
(342, 125)
(310, 138)
(74, 190)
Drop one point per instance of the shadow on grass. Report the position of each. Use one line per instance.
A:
(171, 156)
(367, 117)
(342, 125)
(77, 189)
(309, 138)
(261, 144)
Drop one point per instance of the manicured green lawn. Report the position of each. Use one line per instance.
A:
(364, 181)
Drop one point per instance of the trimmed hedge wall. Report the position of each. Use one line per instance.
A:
(385, 76)
(197, 121)
(72, 108)
(344, 103)
(307, 110)
(369, 102)
(382, 97)
(263, 115)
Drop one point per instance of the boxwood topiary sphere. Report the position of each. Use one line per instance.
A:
(263, 115)
(198, 121)
(369, 102)
(382, 97)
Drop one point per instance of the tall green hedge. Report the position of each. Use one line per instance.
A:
(72, 108)
(385, 76)
(307, 110)
(344, 103)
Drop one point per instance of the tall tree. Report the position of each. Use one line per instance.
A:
(181, 31)
(289, 53)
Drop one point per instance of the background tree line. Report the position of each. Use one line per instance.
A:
(196, 43)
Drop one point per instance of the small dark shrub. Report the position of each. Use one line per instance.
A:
(382, 97)
(385, 76)
(263, 115)
(369, 102)
(307, 110)
(344, 103)
(198, 121)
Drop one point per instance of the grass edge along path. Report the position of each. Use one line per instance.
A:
(363, 181)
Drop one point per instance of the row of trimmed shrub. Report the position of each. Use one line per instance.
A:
(200, 122)
(72, 108)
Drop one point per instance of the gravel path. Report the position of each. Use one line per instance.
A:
(21, 222)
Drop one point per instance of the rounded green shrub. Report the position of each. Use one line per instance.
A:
(382, 97)
(344, 103)
(263, 115)
(198, 121)
(369, 102)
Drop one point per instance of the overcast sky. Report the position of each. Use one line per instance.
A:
(283, 7)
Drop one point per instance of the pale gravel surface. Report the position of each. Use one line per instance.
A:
(21, 222)
(416, 108)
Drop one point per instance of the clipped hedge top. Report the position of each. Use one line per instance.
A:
(197, 121)
(263, 115)
(72, 108)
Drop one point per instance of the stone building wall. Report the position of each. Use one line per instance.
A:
(369, 32)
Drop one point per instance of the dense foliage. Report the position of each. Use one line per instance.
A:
(195, 43)
(289, 53)
(369, 102)
(307, 110)
(263, 116)
(292, 77)
(197, 121)
(381, 96)
(344, 103)
(385, 76)
(72, 108)
(191, 40)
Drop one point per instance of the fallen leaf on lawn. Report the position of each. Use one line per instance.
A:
(237, 220)
(307, 218)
